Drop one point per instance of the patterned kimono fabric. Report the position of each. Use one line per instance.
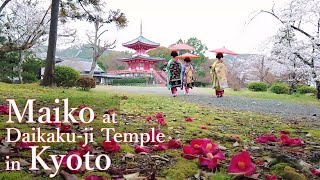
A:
(175, 78)
(188, 77)
(219, 77)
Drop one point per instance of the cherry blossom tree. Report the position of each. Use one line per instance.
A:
(284, 51)
(303, 18)
(100, 19)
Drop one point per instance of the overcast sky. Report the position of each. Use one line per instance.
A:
(216, 23)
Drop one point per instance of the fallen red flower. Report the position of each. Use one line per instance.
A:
(271, 177)
(284, 132)
(203, 127)
(76, 113)
(188, 119)
(111, 146)
(82, 106)
(200, 145)
(174, 144)
(189, 152)
(241, 164)
(95, 116)
(219, 155)
(4, 110)
(208, 147)
(316, 172)
(65, 129)
(259, 163)
(53, 121)
(94, 177)
(162, 122)
(266, 139)
(210, 163)
(24, 145)
(156, 132)
(288, 141)
(149, 118)
(139, 149)
(85, 148)
(159, 115)
(160, 147)
(74, 161)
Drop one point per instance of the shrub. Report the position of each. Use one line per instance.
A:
(66, 76)
(200, 84)
(258, 86)
(280, 88)
(86, 83)
(130, 81)
(306, 89)
(29, 77)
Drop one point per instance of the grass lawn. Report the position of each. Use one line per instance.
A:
(219, 126)
(294, 98)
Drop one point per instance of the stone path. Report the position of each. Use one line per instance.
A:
(204, 96)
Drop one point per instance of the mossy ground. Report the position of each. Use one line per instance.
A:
(132, 112)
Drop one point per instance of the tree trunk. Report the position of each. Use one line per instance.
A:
(318, 89)
(96, 47)
(20, 67)
(48, 79)
(4, 5)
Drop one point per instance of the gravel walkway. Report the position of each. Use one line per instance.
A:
(203, 96)
(273, 107)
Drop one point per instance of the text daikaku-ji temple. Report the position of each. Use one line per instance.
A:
(141, 64)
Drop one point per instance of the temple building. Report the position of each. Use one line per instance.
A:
(141, 64)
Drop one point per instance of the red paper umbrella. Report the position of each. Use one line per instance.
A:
(191, 56)
(224, 51)
(181, 47)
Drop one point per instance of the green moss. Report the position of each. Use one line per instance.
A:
(278, 169)
(220, 176)
(14, 175)
(291, 174)
(182, 169)
(101, 174)
(126, 148)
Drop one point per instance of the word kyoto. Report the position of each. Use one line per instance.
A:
(37, 136)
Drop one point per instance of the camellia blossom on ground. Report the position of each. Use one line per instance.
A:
(139, 149)
(288, 141)
(111, 146)
(242, 164)
(208, 152)
(266, 139)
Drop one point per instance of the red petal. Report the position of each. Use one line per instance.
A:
(316, 172)
(139, 149)
(94, 177)
(160, 147)
(149, 118)
(284, 132)
(159, 115)
(174, 144)
(188, 119)
(271, 177)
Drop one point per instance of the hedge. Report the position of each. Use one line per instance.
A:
(304, 89)
(258, 86)
(130, 81)
(280, 88)
(66, 76)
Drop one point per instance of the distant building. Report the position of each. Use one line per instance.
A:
(141, 64)
(84, 66)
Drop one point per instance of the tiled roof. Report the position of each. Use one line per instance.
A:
(142, 57)
(142, 40)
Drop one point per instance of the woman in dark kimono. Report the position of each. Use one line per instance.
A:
(174, 74)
